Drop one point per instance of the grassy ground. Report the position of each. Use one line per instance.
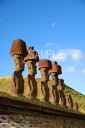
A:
(6, 88)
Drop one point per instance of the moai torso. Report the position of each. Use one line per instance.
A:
(44, 66)
(75, 106)
(18, 82)
(18, 51)
(53, 98)
(32, 58)
(60, 87)
(55, 71)
(69, 101)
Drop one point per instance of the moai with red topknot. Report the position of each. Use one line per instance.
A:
(61, 87)
(32, 58)
(44, 67)
(69, 101)
(18, 52)
(55, 71)
(75, 106)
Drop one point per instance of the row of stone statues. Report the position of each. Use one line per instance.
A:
(56, 95)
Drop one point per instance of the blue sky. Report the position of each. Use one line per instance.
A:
(56, 25)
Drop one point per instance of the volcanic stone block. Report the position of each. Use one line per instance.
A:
(32, 55)
(18, 48)
(45, 64)
(69, 101)
(44, 67)
(32, 58)
(56, 68)
(18, 51)
(75, 106)
(55, 71)
(60, 87)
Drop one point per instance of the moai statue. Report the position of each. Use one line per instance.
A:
(69, 101)
(55, 71)
(32, 58)
(18, 52)
(75, 106)
(60, 87)
(44, 67)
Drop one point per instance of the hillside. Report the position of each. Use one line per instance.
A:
(6, 85)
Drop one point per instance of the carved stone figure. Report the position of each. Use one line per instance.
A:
(75, 106)
(32, 58)
(18, 52)
(69, 101)
(60, 87)
(44, 67)
(55, 71)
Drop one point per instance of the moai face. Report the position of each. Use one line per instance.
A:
(61, 83)
(32, 67)
(54, 78)
(19, 63)
(44, 74)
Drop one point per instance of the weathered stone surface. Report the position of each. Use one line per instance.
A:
(69, 101)
(44, 66)
(60, 87)
(18, 62)
(75, 106)
(56, 68)
(32, 55)
(18, 48)
(31, 59)
(18, 51)
(54, 97)
(18, 83)
(31, 87)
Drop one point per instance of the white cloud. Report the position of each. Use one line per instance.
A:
(69, 69)
(60, 56)
(83, 71)
(53, 24)
(74, 54)
(50, 44)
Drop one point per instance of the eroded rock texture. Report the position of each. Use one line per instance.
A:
(18, 52)
(44, 66)
(69, 101)
(75, 106)
(32, 58)
(60, 87)
(55, 71)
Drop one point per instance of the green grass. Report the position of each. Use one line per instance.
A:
(6, 91)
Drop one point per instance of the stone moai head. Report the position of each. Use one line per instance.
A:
(75, 106)
(44, 67)
(18, 52)
(61, 85)
(32, 58)
(55, 71)
(69, 101)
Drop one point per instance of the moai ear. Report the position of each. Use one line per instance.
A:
(16, 60)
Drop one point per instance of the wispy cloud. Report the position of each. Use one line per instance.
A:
(74, 54)
(69, 69)
(60, 56)
(53, 24)
(83, 71)
(50, 44)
